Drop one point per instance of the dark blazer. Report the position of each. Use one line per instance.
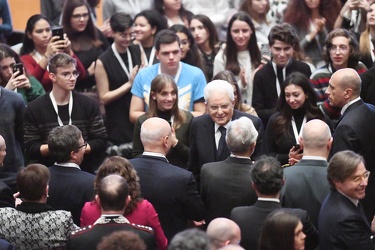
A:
(368, 86)
(172, 191)
(5, 245)
(306, 187)
(342, 225)
(226, 185)
(203, 146)
(88, 238)
(264, 87)
(6, 196)
(355, 131)
(251, 220)
(69, 189)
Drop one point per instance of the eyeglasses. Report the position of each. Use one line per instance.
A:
(359, 178)
(84, 145)
(222, 106)
(68, 75)
(79, 16)
(341, 48)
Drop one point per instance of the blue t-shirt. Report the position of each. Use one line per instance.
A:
(190, 85)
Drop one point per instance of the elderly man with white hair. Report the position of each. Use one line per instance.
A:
(207, 134)
(225, 184)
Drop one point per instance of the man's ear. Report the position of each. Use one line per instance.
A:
(52, 77)
(300, 140)
(348, 93)
(157, 55)
(73, 155)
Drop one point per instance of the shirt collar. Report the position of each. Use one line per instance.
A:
(217, 126)
(68, 165)
(348, 104)
(154, 154)
(241, 157)
(269, 199)
(308, 157)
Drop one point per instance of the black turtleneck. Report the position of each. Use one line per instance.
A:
(166, 115)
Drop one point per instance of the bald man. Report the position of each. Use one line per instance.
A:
(301, 189)
(355, 129)
(171, 189)
(222, 232)
(6, 197)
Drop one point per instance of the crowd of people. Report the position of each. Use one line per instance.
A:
(186, 124)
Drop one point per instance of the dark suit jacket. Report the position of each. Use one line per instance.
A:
(368, 86)
(251, 220)
(226, 185)
(355, 131)
(264, 90)
(306, 187)
(69, 189)
(6, 196)
(203, 146)
(172, 191)
(88, 238)
(342, 225)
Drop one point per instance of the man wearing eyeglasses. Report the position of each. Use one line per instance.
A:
(342, 221)
(208, 131)
(69, 187)
(342, 51)
(63, 106)
(355, 129)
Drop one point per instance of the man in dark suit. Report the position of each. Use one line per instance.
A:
(113, 195)
(368, 86)
(69, 187)
(269, 79)
(355, 129)
(342, 221)
(171, 189)
(6, 196)
(207, 133)
(226, 184)
(267, 181)
(306, 184)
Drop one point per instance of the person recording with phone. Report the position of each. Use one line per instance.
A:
(14, 77)
(39, 46)
(296, 106)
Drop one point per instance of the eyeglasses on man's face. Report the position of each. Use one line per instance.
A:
(359, 178)
(224, 106)
(341, 49)
(84, 145)
(69, 75)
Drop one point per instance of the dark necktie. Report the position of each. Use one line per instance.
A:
(280, 75)
(220, 148)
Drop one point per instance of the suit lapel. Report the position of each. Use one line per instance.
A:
(350, 108)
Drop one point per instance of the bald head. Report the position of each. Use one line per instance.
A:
(223, 231)
(316, 137)
(113, 192)
(348, 78)
(155, 135)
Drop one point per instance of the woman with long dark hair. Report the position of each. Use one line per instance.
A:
(173, 11)
(163, 103)
(241, 54)
(147, 24)
(282, 231)
(206, 38)
(39, 45)
(296, 106)
(189, 50)
(88, 43)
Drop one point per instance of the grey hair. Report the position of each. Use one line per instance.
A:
(218, 85)
(241, 135)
